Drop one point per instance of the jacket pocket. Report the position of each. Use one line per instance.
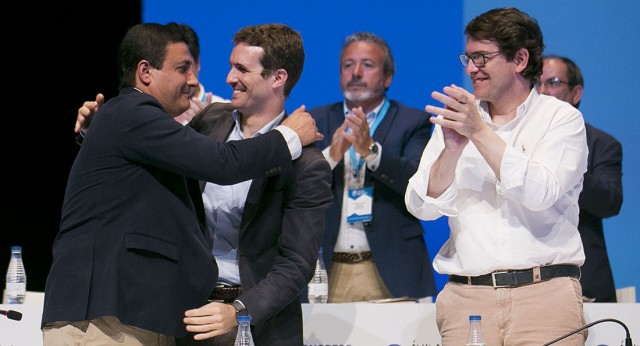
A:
(146, 244)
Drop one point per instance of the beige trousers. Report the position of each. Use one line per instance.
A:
(356, 282)
(527, 315)
(105, 331)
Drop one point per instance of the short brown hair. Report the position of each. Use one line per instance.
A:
(282, 49)
(511, 29)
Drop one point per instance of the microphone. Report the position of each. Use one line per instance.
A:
(627, 340)
(12, 315)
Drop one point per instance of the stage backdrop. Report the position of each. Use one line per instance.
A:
(426, 37)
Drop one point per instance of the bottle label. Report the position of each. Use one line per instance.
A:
(16, 288)
(318, 289)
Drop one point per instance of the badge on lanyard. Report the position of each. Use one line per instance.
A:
(359, 204)
(360, 200)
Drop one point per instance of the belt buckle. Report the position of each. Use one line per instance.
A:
(493, 279)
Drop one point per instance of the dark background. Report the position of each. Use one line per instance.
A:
(53, 59)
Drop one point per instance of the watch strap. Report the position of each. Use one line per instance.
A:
(373, 150)
(241, 310)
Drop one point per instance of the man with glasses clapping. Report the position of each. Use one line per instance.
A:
(505, 164)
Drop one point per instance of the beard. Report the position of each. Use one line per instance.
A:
(358, 96)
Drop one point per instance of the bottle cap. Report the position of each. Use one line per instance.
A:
(475, 318)
(16, 248)
(245, 318)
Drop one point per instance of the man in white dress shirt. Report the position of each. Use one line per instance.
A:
(506, 165)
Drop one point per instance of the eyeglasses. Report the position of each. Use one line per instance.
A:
(479, 59)
(552, 82)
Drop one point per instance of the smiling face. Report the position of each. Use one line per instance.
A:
(250, 88)
(495, 77)
(362, 78)
(499, 82)
(172, 84)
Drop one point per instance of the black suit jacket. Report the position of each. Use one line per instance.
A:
(130, 244)
(601, 197)
(394, 235)
(282, 225)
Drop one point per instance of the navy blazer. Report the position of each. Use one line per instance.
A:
(130, 243)
(280, 233)
(394, 235)
(601, 197)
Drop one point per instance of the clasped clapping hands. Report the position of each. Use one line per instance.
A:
(353, 131)
(460, 118)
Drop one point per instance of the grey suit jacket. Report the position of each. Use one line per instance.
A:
(281, 229)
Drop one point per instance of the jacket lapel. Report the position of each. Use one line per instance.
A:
(383, 129)
(253, 199)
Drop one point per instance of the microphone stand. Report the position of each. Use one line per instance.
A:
(627, 340)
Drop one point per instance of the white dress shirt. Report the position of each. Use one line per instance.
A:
(351, 237)
(529, 217)
(224, 206)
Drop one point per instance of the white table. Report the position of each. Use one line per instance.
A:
(407, 324)
(362, 324)
(25, 332)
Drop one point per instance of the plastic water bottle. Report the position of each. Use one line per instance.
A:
(318, 288)
(475, 337)
(244, 337)
(16, 284)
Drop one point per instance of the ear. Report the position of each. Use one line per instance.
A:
(577, 94)
(144, 72)
(280, 78)
(521, 59)
(387, 80)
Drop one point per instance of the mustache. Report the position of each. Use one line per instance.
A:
(356, 82)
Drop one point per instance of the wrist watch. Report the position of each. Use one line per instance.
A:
(373, 150)
(241, 310)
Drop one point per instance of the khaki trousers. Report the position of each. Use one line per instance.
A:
(527, 315)
(356, 282)
(105, 331)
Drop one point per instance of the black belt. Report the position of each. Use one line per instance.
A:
(514, 278)
(351, 257)
(225, 293)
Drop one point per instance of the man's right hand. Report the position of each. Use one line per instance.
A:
(304, 125)
(86, 112)
(210, 320)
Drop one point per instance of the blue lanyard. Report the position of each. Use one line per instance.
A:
(356, 162)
